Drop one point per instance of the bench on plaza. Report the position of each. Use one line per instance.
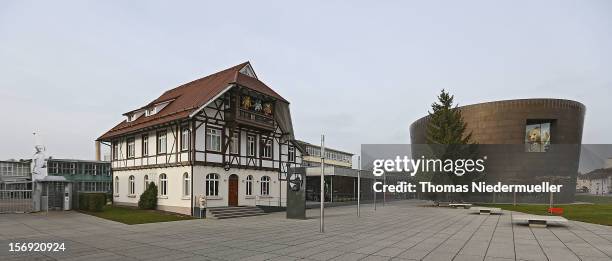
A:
(441, 203)
(486, 210)
(539, 221)
(463, 205)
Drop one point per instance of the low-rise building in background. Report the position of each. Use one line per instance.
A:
(596, 182)
(66, 178)
(340, 176)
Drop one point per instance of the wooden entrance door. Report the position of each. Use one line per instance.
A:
(233, 190)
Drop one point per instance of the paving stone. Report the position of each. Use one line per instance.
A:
(376, 258)
(401, 230)
(349, 257)
(390, 251)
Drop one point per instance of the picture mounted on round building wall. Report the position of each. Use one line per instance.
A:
(537, 137)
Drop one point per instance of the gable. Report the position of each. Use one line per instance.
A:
(187, 99)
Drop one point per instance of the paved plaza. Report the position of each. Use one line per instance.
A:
(399, 231)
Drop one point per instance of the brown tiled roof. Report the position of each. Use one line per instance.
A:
(188, 97)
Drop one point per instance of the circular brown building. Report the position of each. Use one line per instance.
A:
(526, 141)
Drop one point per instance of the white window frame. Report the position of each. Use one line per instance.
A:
(291, 153)
(251, 146)
(235, 143)
(266, 150)
(185, 138)
(116, 150)
(132, 185)
(264, 188)
(186, 185)
(162, 142)
(145, 144)
(212, 185)
(163, 185)
(131, 147)
(213, 139)
(249, 185)
(117, 185)
(146, 182)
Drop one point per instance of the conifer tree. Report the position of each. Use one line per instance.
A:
(446, 134)
(446, 125)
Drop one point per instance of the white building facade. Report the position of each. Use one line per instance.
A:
(226, 137)
(597, 182)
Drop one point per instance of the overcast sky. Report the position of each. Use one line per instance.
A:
(358, 72)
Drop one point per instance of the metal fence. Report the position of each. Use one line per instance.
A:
(16, 201)
(90, 187)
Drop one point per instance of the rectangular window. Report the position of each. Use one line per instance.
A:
(312, 151)
(185, 138)
(131, 148)
(115, 150)
(266, 148)
(234, 143)
(213, 139)
(265, 186)
(89, 169)
(212, 184)
(67, 168)
(186, 183)
(161, 142)
(102, 169)
(249, 185)
(251, 145)
(291, 154)
(145, 145)
(53, 168)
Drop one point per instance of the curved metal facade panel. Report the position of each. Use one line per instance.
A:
(501, 128)
(503, 122)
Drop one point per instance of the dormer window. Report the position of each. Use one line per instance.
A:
(151, 111)
(134, 116)
(157, 108)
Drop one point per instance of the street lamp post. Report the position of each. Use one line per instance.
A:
(384, 183)
(322, 225)
(358, 185)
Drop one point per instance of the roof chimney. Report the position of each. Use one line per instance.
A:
(98, 151)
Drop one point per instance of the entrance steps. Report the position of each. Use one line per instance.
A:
(235, 212)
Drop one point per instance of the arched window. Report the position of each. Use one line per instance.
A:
(249, 185)
(116, 184)
(212, 184)
(186, 184)
(163, 185)
(146, 182)
(132, 185)
(265, 186)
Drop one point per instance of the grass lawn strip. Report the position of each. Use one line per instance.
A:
(131, 216)
(591, 213)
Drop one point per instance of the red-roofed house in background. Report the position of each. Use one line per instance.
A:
(227, 136)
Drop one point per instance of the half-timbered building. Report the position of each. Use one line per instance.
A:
(227, 137)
